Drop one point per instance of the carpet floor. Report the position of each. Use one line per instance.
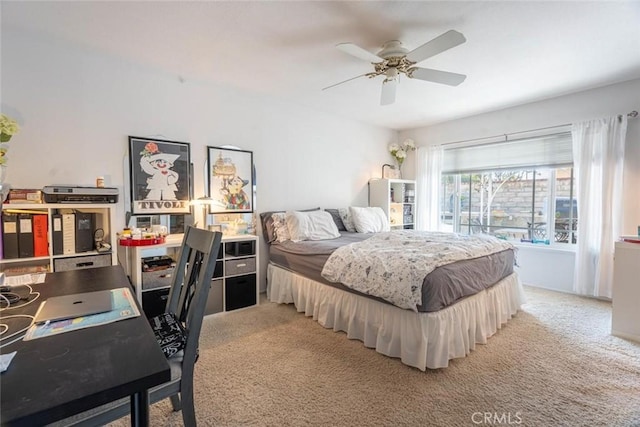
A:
(554, 364)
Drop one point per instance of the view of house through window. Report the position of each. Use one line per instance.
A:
(531, 204)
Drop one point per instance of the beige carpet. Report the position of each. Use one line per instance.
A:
(554, 364)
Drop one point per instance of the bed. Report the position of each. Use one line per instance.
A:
(458, 305)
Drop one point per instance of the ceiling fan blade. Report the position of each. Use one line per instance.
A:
(388, 92)
(445, 41)
(345, 81)
(358, 52)
(436, 76)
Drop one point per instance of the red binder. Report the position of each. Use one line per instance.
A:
(40, 240)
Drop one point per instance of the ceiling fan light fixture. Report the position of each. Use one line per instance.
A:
(392, 74)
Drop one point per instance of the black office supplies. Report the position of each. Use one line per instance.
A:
(85, 227)
(10, 235)
(56, 220)
(25, 235)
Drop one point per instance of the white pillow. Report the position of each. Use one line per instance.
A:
(316, 225)
(345, 215)
(369, 220)
(280, 230)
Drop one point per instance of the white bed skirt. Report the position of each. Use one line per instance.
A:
(421, 340)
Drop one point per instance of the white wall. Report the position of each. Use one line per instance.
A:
(606, 101)
(77, 107)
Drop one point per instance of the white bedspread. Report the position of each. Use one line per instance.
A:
(393, 265)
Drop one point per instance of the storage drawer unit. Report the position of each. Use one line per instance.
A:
(219, 270)
(236, 267)
(240, 248)
(158, 278)
(154, 302)
(214, 302)
(235, 281)
(81, 262)
(240, 292)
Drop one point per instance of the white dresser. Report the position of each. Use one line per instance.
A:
(625, 318)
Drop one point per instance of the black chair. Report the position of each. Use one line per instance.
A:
(187, 301)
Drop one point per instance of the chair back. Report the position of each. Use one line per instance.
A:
(191, 283)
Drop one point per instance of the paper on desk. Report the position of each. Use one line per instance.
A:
(5, 359)
(25, 279)
(124, 307)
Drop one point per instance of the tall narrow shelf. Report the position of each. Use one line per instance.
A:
(397, 198)
(104, 219)
(625, 317)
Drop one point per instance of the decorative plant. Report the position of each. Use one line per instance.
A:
(399, 151)
(8, 128)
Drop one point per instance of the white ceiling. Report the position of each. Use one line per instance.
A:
(516, 52)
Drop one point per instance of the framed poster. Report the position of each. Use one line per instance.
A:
(159, 176)
(230, 180)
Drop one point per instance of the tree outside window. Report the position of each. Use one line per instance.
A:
(512, 204)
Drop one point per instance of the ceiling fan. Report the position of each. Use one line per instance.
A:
(394, 60)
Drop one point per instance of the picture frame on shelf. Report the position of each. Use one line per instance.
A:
(160, 176)
(390, 172)
(230, 180)
(215, 227)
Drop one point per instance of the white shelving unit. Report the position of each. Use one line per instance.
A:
(625, 316)
(104, 219)
(397, 198)
(235, 283)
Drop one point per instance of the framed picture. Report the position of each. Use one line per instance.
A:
(230, 180)
(160, 176)
(391, 172)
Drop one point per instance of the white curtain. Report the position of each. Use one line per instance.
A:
(428, 171)
(598, 157)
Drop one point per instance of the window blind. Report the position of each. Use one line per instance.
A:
(539, 151)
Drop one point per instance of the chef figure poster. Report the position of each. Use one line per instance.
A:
(160, 176)
(230, 180)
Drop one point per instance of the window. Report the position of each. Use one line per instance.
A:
(517, 190)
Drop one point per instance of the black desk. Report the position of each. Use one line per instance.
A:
(55, 377)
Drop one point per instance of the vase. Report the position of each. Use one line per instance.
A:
(4, 187)
(399, 168)
(4, 147)
(3, 162)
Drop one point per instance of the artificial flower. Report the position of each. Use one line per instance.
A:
(8, 128)
(149, 149)
(399, 152)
